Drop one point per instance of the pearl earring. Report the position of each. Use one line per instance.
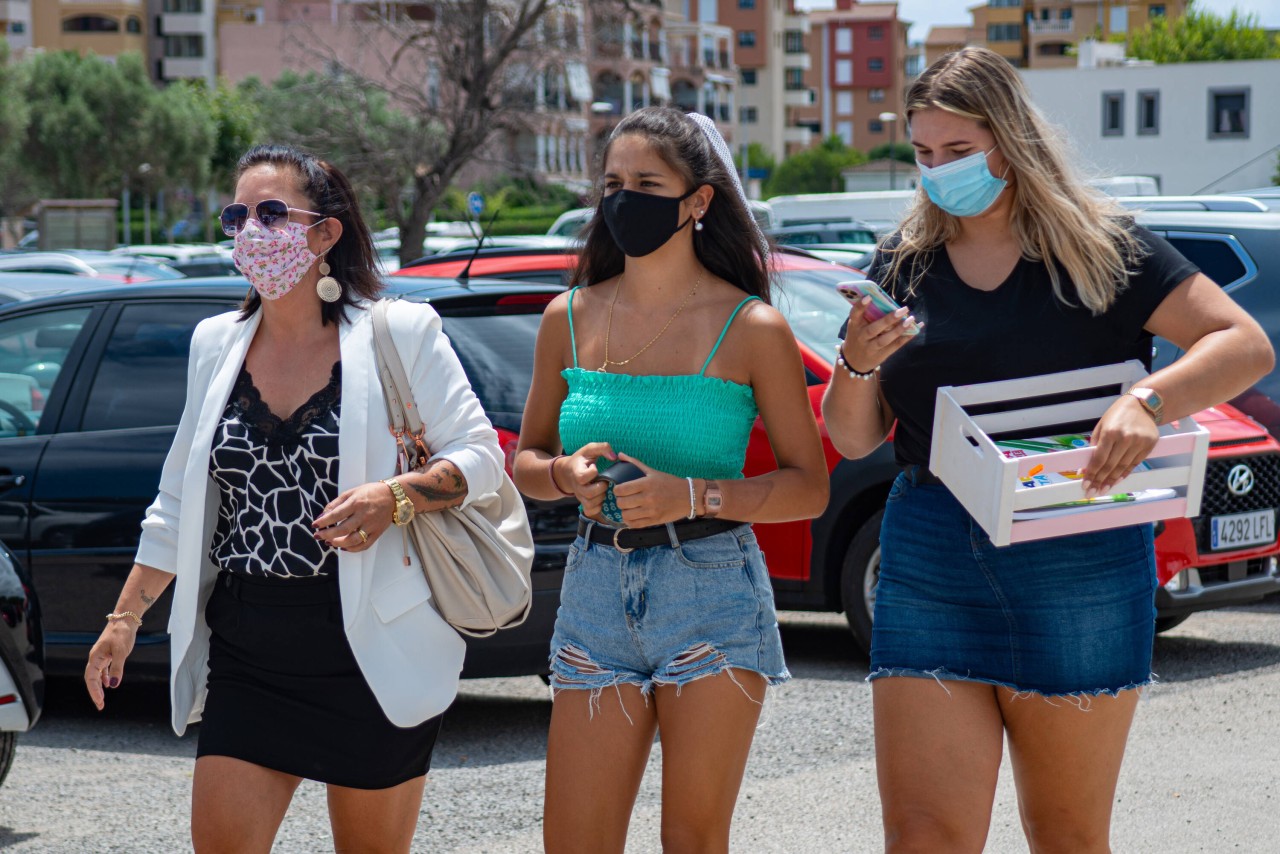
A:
(328, 288)
(697, 225)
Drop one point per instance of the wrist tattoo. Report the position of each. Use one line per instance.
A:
(444, 486)
(148, 601)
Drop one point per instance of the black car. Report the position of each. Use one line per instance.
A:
(92, 384)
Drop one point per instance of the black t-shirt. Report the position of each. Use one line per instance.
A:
(1020, 329)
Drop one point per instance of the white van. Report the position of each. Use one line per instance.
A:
(882, 209)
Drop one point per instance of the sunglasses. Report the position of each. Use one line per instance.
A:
(272, 213)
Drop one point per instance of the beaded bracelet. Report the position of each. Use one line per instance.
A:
(693, 505)
(853, 372)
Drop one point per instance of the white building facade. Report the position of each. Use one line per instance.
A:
(1199, 127)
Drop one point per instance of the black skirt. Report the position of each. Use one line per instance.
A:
(286, 693)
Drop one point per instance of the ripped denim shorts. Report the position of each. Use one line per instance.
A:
(665, 615)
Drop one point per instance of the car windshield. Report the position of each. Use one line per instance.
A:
(496, 351)
(809, 301)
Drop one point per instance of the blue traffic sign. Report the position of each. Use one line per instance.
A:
(475, 204)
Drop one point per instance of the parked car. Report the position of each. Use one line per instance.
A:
(190, 259)
(832, 563)
(100, 265)
(1269, 196)
(570, 223)
(21, 657)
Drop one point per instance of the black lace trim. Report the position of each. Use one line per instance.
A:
(258, 417)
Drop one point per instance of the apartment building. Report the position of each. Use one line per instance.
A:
(1044, 33)
(105, 29)
(860, 57)
(774, 61)
(704, 70)
(183, 43)
(16, 24)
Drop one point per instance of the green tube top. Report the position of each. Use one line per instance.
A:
(688, 425)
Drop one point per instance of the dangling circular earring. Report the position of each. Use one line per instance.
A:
(328, 288)
(697, 225)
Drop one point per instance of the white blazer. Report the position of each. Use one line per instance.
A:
(409, 655)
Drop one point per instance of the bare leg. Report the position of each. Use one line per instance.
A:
(236, 806)
(1066, 758)
(375, 821)
(596, 753)
(706, 729)
(938, 755)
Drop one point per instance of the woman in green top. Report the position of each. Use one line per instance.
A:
(663, 357)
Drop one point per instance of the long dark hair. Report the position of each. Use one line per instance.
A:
(730, 244)
(351, 260)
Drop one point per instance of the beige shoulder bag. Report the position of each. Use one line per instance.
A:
(477, 558)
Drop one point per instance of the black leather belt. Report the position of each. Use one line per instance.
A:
(921, 476)
(630, 539)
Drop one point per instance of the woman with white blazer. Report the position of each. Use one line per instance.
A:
(302, 638)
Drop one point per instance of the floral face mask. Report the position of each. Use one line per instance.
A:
(274, 260)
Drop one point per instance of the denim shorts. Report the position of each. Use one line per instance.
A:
(665, 615)
(1071, 616)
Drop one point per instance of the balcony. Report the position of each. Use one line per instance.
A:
(1052, 28)
(796, 22)
(797, 60)
(183, 23)
(800, 136)
(15, 10)
(798, 97)
(185, 68)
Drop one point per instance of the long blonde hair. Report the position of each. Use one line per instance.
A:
(1056, 218)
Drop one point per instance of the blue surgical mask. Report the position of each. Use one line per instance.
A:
(963, 187)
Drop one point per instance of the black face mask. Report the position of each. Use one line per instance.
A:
(641, 223)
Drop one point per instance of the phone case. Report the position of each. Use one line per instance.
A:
(881, 302)
(620, 472)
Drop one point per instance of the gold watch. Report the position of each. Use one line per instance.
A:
(403, 513)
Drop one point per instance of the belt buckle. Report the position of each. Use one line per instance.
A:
(621, 549)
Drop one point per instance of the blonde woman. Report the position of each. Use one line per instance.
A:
(1013, 268)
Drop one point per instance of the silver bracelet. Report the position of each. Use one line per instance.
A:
(853, 372)
(693, 507)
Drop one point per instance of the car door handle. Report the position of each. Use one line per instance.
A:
(9, 481)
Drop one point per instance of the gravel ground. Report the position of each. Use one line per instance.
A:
(1200, 774)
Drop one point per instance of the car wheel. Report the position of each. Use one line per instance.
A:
(1164, 624)
(858, 580)
(8, 744)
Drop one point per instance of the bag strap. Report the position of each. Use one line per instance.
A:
(402, 413)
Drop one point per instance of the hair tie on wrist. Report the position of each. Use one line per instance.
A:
(551, 472)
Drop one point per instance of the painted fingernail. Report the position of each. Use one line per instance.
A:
(902, 312)
(114, 681)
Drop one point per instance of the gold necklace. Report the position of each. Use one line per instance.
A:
(608, 331)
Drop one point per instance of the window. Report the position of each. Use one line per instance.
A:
(90, 24)
(746, 38)
(876, 34)
(794, 80)
(844, 130)
(746, 4)
(1113, 114)
(1229, 113)
(1148, 112)
(794, 41)
(844, 71)
(876, 63)
(189, 6)
(1004, 4)
(844, 103)
(1004, 32)
(33, 348)
(184, 47)
(17, 27)
(875, 96)
(875, 126)
(133, 25)
(493, 350)
(141, 380)
(844, 40)
(1064, 14)
(1219, 256)
(748, 77)
(1119, 19)
(1157, 11)
(748, 115)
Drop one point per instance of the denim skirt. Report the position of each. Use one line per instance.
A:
(665, 615)
(1070, 616)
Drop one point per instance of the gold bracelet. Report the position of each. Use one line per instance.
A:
(111, 618)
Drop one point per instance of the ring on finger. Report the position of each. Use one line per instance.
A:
(364, 535)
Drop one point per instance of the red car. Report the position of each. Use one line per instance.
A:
(1225, 556)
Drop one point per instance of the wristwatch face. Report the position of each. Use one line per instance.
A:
(404, 512)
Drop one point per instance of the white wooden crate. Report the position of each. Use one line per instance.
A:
(986, 482)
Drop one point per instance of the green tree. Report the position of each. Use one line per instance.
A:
(1202, 36)
(17, 190)
(902, 151)
(238, 126)
(758, 157)
(815, 170)
(1275, 179)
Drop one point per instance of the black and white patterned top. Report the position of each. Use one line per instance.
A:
(275, 476)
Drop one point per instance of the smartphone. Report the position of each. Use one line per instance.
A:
(620, 472)
(881, 302)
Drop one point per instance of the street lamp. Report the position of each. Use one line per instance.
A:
(892, 120)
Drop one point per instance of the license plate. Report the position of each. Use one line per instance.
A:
(1242, 529)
